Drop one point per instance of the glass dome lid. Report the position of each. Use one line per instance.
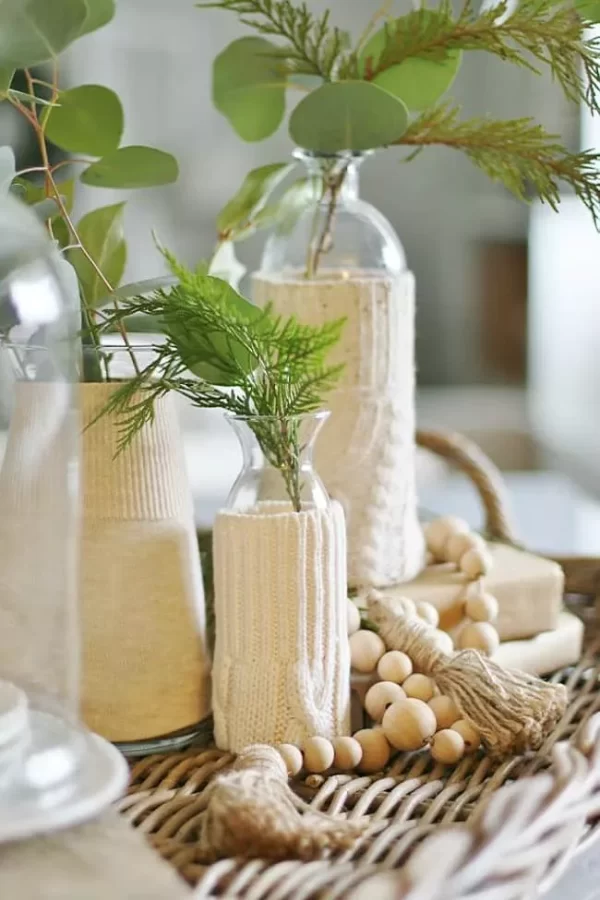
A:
(51, 769)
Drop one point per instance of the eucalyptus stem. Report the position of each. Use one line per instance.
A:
(52, 191)
(332, 186)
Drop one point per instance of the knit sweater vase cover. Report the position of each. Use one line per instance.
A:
(366, 451)
(281, 668)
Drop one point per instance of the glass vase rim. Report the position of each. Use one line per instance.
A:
(301, 153)
(319, 415)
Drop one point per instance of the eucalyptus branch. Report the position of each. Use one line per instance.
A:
(516, 152)
(546, 31)
(313, 46)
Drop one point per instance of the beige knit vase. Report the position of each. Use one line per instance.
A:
(145, 666)
(282, 668)
(366, 452)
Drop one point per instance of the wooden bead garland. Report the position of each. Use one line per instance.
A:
(449, 540)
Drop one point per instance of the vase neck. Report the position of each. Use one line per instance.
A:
(336, 173)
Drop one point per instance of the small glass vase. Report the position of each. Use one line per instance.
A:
(281, 662)
(338, 232)
(277, 466)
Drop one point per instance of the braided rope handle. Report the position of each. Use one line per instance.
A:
(466, 456)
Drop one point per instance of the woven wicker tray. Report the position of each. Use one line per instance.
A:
(482, 830)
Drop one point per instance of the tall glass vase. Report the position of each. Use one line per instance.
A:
(281, 662)
(340, 258)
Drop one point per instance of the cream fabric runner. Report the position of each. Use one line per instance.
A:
(103, 860)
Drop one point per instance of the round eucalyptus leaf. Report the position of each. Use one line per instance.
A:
(589, 10)
(249, 87)
(100, 13)
(220, 358)
(102, 235)
(34, 31)
(251, 196)
(132, 167)
(6, 77)
(88, 120)
(348, 115)
(7, 169)
(419, 81)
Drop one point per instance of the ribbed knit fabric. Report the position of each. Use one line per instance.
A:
(141, 611)
(366, 452)
(145, 666)
(281, 668)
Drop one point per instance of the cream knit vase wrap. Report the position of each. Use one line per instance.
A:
(282, 666)
(145, 666)
(366, 451)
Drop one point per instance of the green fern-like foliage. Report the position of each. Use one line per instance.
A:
(221, 352)
(425, 46)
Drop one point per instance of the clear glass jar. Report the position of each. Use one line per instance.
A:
(277, 465)
(337, 232)
(51, 770)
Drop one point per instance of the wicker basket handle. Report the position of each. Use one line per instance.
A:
(466, 456)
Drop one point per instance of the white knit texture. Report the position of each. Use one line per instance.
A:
(282, 665)
(366, 452)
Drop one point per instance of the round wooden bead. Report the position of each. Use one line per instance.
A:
(482, 608)
(458, 544)
(428, 613)
(475, 563)
(347, 753)
(479, 636)
(375, 749)
(394, 666)
(447, 746)
(366, 649)
(420, 687)
(443, 641)
(438, 532)
(469, 735)
(318, 754)
(380, 696)
(409, 724)
(353, 617)
(445, 711)
(292, 757)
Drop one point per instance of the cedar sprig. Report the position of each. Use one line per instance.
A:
(312, 45)
(280, 375)
(517, 152)
(549, 32)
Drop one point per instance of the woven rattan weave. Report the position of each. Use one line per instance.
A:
(482, 830)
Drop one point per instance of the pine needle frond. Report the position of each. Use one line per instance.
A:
(517, 152)
(312, 45)
(549, 32)
(272, 367)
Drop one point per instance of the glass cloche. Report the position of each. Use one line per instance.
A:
(52, 772)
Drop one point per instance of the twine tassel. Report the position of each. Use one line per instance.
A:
(252, 813)
(512, 711)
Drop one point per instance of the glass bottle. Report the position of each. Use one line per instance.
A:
(277, 463)
(335, 231)
(52, 771)
(337, 257)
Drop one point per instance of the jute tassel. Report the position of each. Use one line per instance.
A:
(251, 812)
(513, 712)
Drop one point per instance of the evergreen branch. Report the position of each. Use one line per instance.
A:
(547, 31)
(313, 46)
(517, 152)
(263, 365)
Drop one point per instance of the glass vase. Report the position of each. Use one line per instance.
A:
(52, 771)
(281, 663)
(277, 468)
(339, 257)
